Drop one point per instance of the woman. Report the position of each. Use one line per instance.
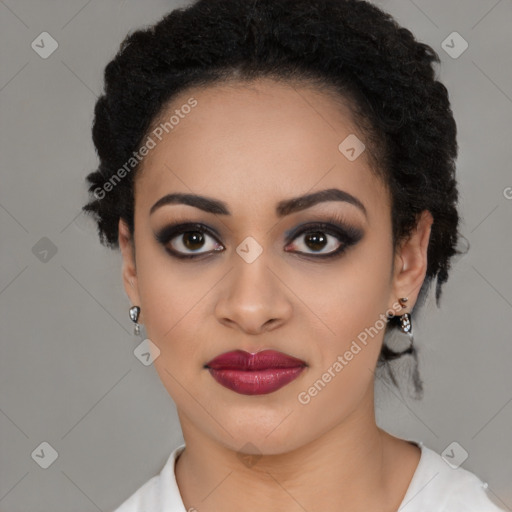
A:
(279, 177)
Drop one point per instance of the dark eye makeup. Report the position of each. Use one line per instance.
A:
(196, 234)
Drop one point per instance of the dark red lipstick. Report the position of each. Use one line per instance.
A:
(255, 374)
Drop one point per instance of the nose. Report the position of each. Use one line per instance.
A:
(254, 298)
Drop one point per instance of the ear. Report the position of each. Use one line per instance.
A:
(411, 262)
(129, 270)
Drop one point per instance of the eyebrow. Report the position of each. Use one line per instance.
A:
(283, 208)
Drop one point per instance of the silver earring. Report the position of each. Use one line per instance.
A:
(405, 320)
(405, 323)
(134, 316)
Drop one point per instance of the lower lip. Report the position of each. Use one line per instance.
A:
(258, 382)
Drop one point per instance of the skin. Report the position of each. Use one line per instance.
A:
(252, 146)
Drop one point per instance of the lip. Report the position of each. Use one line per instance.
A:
(255, 373)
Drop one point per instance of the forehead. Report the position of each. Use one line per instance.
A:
(252, 145)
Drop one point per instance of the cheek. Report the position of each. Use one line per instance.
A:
(352, 296)
(345, 361)
(174, 298)
(352, 305)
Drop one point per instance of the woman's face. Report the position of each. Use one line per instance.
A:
(255, 280)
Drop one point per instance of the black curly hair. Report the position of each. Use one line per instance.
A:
(349, 48)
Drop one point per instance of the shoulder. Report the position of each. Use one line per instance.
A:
(160, 493)
(437, 485)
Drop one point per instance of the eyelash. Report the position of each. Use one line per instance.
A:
(334, 226)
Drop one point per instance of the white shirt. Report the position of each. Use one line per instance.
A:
(435, 487)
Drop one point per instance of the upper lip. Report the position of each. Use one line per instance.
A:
(242, 360)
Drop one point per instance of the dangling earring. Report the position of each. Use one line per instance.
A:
(405, 320)
(134, 316)
(405, 327)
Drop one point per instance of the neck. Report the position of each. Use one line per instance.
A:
(349, 464)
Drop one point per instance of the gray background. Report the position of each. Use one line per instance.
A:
(68, 375)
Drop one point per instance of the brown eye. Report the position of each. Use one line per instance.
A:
(188, 240)
(192, 240)
(318, 242)
(324, 239)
